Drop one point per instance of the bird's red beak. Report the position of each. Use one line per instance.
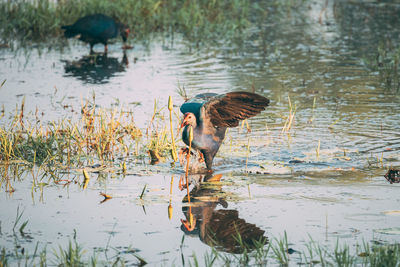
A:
(190, 227)
(184, 121)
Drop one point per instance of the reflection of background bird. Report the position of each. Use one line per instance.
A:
(210, 114)
(218, 228)
(97, 28)
(95, 68)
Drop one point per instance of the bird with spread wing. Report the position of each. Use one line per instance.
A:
(211, 114)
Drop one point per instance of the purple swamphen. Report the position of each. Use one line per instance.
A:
(210, 114)
(97, 28)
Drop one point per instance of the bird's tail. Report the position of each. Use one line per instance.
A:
(69, 31)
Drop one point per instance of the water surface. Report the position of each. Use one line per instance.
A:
(316, 58)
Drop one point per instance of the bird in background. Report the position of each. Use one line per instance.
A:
(211, 114)
(97, 28)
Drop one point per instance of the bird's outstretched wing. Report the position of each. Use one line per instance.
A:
(228, 109)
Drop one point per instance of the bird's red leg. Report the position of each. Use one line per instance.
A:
(105, 49)
(181, 154)
(182, 185)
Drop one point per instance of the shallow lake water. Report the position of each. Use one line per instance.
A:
(318, 61)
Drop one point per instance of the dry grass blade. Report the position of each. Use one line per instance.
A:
(143, 191)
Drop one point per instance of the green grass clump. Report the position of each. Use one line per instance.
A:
(99, 133)
(386, 61)
(39, 19)
(109, 137)
(72, 256)
(259, 253)
(387, 64)
(279, 253)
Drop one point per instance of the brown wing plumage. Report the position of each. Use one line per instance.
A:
(227, 110)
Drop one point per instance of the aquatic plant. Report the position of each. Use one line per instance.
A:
(17, 220)
(158, 145)
(107, 136)
(280, 250)
(100, 135)
(262, 252)
(386, 62)
(290, 118)
(72, 256)
(387, 255)
(196, 20)
(173, 150)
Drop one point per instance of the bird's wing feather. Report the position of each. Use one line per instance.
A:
(228, 109)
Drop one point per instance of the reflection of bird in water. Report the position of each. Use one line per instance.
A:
(210, 114)
(219, 228)
(97, 28)
(95, 68)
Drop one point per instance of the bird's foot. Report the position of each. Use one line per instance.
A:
(201, 159)
(181, 184)
(223, 203)
(183, 154)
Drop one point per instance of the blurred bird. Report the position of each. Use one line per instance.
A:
(97, 28)
(210, 114)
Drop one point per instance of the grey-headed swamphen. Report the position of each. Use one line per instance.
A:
(210, 114)
(97, 28)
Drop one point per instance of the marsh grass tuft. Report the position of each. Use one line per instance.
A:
(72, 256)
(17, 220)
(108, 136)
(197, 21)
(386, 62)
(98, 133)
(290, 118)
(280, 250)
(342, 257)
(262, 252)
